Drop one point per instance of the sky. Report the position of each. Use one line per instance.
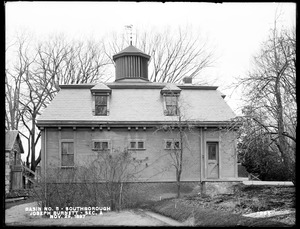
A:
(236, 30)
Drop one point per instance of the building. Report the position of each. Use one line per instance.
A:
(13, 161)
(85, 120)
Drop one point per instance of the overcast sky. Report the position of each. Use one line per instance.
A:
(236, 29)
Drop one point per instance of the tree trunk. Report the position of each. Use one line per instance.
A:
(178, 184)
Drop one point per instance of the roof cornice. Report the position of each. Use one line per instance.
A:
(85, 123)
(146, 85)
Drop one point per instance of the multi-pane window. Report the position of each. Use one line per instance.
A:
(171, 102)
(101, 145)
(172, 144)
(137, 144)
(101, 104)
(67, 154)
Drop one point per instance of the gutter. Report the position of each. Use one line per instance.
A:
(95, 124)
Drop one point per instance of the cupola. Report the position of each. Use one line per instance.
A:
(131, 63)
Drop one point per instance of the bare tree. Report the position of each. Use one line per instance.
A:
(36, 75)
(13, 80)
(178, 130)
(270, 89)
(174, 54)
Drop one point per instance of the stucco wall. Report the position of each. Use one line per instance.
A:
(156, 161)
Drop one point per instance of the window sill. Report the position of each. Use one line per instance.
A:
(67, 167)
(137, 149)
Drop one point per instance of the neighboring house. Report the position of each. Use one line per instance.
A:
(84, 120)
(13, 162)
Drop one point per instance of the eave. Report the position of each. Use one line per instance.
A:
(146, 85)
(86, 123)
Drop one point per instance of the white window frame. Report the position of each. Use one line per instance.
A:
(101, 141)
(172, 144)
(136, 144)
(60, 152)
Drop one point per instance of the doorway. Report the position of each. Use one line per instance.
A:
(212, 160)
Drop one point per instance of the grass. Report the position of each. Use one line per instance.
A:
(227, 210)
(207, 216)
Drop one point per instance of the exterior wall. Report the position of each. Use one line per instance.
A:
(156, 162)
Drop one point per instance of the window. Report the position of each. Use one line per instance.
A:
(15, 157)
(101, 105)
(140, 145)
(101, 145)
(176, 144)
(172, 144)
(136, 144)
(171, 102)
(67, 154)
(212, 148)
(168, 144)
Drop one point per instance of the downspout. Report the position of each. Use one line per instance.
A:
(45, 164)
(202, 184)
(200, 130)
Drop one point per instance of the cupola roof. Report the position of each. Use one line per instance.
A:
(131, 51)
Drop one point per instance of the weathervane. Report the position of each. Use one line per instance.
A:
(129, 27)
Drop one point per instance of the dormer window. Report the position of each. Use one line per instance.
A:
(171, 102)
(170, 99)
(101, 105)
(100, 98)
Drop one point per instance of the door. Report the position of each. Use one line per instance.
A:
(212, 162)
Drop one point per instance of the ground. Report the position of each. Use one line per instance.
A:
(220, 210)
(247, 199)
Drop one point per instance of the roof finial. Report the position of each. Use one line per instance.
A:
(129, 27)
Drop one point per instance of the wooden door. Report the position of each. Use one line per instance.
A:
(212, 162)
(16, 177)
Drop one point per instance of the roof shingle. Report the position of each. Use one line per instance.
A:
(142, 105)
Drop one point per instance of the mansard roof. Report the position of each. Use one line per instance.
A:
(135, 102)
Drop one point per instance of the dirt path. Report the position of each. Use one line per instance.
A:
(18, 216)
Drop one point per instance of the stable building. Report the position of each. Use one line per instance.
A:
(85, 120)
